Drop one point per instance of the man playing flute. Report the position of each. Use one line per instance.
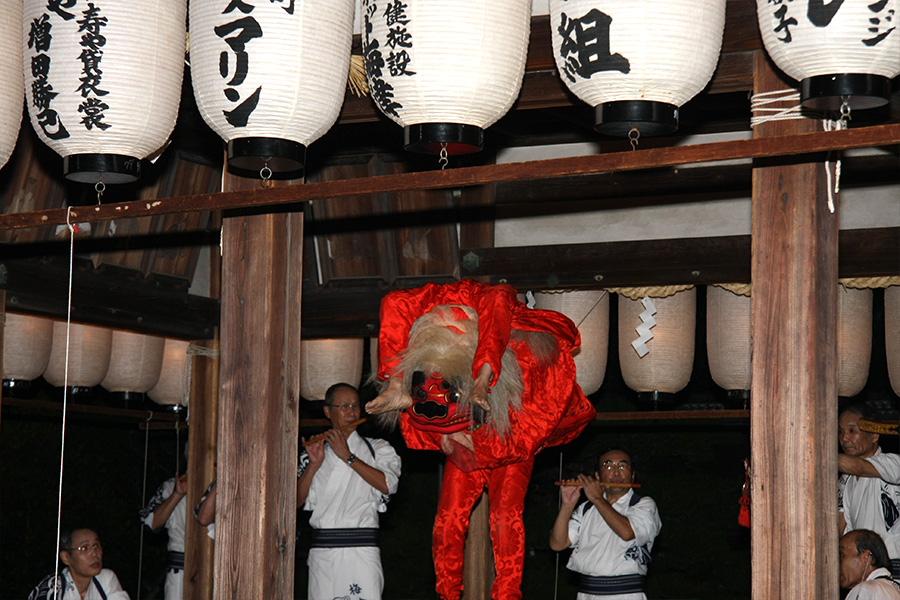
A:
(612, 533)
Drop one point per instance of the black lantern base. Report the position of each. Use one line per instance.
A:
(252, 155)
(431, 138)
(656, 400)
(859, 90)
(647, 117)
(101, 168)
(739, 399)
(17, 388)
(130, 400)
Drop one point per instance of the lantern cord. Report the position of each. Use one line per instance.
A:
(584, 318)
(62, 444)
(143, 501)
(633, 136)
(558, 507)
(443, 160)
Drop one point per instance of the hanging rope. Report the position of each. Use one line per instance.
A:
(762, 111)
(62, 445)
(143, 500)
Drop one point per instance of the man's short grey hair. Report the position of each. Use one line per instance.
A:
(330, 392)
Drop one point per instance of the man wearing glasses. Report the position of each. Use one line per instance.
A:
(83, 577)
(612, 532)
(345, 480)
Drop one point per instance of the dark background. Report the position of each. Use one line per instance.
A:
(693, 469)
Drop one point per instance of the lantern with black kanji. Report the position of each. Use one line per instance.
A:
(445, 70)
(103, 81)
(636, 62)
(844, 51)
(270, 77)
(11, 92)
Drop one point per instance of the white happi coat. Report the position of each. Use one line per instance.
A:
(873, 503)
(598, 551)
(877, 586)
(106, 578)
(175, 526)
(339, 498)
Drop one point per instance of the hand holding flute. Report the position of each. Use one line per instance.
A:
(574, 482)
(322, 436)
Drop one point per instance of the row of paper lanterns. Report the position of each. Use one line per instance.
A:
(102, 78)
(121, 362)
(659, 360)
(667, 364)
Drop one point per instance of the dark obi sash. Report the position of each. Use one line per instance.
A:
(344, 538)
(176, 561)
(609, 586)
(895, 568)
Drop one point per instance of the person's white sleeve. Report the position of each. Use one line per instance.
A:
(111, 585)
(644, 519)
(888, 466)
(575, 524)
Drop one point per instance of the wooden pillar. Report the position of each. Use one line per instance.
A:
(478, 560)
(202, 449)
(258, 396)
(793, 425)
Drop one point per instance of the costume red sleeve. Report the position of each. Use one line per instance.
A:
(494, 305)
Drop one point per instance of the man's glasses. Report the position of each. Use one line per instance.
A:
(87, 547)
(612, 465)
(345, 406)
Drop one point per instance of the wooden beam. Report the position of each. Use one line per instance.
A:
(769, 147)
(111, 297)
(793, 418)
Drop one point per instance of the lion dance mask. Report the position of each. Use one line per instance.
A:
(470, 371)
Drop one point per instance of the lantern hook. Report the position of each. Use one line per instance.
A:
(265, 173)
(100, 187)
(845, 111)
(633, 136)
(443, 160)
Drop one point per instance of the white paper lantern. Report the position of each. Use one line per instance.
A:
(103, 81)
(839, 50)
(326, 362)
(26, 348)
(12, 90)
(589, 310)
(270, 79)
(636, 62)
(88, 352)
(728, 338)
(135, 362)
(666, 367)
(173, 386)
(854, 339)
(445, 70)
(892, 335)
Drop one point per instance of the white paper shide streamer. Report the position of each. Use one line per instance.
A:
(103, 81)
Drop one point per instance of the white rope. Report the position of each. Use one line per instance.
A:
(62, 445)
(762, 112)
(761, 103)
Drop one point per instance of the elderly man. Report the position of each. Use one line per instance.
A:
(345, 480)
(864, 566)
(869, 487)
(612, 533)
(83, 577)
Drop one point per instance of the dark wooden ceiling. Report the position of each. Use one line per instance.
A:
(136, 273)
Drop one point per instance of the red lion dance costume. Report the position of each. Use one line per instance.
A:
(476, 374)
